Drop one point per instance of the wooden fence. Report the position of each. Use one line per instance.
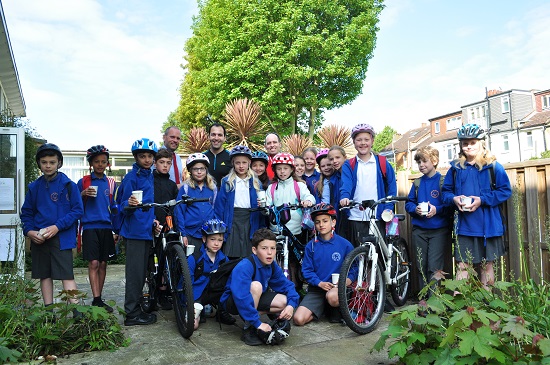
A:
(527, 237)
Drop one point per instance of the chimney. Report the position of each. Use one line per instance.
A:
(493, 92)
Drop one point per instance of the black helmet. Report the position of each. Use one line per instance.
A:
(323, 208)
(49, 147)
(471, 131)
(96, 150)
(213, 226)
(280, 329)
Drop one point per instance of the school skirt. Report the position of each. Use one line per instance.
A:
(238, 241)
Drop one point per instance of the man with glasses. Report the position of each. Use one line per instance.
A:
(220, 163)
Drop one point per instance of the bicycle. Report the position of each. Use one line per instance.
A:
(175, 273)
(372, 266)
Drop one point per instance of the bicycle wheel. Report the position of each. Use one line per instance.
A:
(361, 308)
(400, 266)
(182, 290)
(149, 299)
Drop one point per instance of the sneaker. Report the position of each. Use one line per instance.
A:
(224, 317)
(250, 337)
(202, 318)
(164, 302)
(103, 305)
(334, 315)
(388, 307)
(141, 319)
(77, 315)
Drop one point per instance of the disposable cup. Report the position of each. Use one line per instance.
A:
(94, 188)
(387, 215)
(467, 201)
(198, 310)
(335, 278)
(424, 208)
(138, 194)
(261, 198)
(190, 250)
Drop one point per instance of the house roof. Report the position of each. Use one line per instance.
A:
(412, 136)
(447, 136)
(537, 119)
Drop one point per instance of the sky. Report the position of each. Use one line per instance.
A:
(108, 71)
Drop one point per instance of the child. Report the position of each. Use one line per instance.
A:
(246, 292)
(205, 261)
(49, 216)
(365, 180)
(323, 257)
(165, 189)
(311, 176)
(137, 229)
(199, 184)
(259, 166)
(300, 166)
(288, 189)
(238, 193)
(97, 236)
(478, 177)
(337, 156)
(431, 234)
(323, 188)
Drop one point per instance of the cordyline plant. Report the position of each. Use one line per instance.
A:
(196, 141)
(242, 122)
(335, 135)
(296, 144)
(463, 323)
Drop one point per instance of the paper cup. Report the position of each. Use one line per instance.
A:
(190, 250)
(335, 278)
(424, 208)
(261, 198)
(198, 310)
(138, 194)
(467, 201)
(387, 215)
(94, 188)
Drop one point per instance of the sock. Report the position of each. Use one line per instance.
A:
(97, 299)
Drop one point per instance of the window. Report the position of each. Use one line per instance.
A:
(529, 139)
(546, 102)
(454, 123)
(505, 143)
(450, 152)
(505, 104)
(483, 111)
(436, 127)
(472, 115)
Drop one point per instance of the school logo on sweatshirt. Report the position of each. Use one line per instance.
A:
(54, 196)
(435, 194)
(336, 256)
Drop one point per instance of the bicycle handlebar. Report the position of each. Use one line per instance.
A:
(185, 199)
(373, 203)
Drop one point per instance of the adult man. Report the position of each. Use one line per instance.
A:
(272, 147)
(220, 163)
(171, 139)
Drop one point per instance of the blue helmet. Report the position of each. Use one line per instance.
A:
(471, 131)
(240, 151)
(213, 226)
(144, 145)
(260, 156)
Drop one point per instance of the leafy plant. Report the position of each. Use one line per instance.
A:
(243, 121)
(296, 143)
(463, 323)
(335, 135)
(196, 141)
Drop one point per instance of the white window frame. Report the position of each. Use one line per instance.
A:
(546, 102)
(529, 139)
(437, 129)
(505, 104)
(505, 143)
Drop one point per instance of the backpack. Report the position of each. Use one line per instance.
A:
(416, 184)
(284, 214)
(117, 218)
(381, 166)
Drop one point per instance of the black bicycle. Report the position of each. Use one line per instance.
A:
(174, 272)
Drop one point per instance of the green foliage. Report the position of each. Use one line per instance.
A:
(383, 139)
(296, 59)
(545, 154)
(509, 325)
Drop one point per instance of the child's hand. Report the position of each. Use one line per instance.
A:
(133, 201)
(432, 210)
(325, 285)
(156, 227)
(418, 210)
(306, 203)
(50, 232)
(185, 241)
(344, 202)
(287, 313)
(458, 201)
(265, 327)
(475, 204)
(36, 237)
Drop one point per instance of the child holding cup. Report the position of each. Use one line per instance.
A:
(431, 233)
(323, 259)
(477, 175)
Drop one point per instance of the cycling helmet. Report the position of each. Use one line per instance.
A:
(283, 158)
(471, 131)
(362, 127)
(280, 329)
(197, 157)
(96, 150)
(213, 226)
(323, 208)
(240, 151)
(323, 152)
(144, 145)
(260, 156)
(49, 147)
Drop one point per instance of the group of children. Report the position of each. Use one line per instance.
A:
(229, 225)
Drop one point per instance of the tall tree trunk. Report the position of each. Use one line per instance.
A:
(312, 117)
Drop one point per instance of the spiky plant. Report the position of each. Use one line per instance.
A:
(242, 122)
(296, 143)
(196, 141)
(333, 134)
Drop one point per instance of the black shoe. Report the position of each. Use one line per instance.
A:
(202, 318)
(164, 302)
(103, 305)
(388, 307)
(334, 315)
(77, 316)
(250, 337)
(224, 317)
(141, 319)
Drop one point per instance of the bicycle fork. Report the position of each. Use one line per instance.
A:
(373, 257)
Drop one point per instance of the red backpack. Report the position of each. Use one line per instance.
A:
(381, 165)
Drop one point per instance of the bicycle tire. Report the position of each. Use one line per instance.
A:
(182, 291)
(149, 299)
(360, 309)
(400, 264)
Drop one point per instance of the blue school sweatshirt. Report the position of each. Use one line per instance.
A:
(53, 202)
(311, 180)
(324, 258)
(96, 210)
(200, 283)
(429, 191)
(190, 218)
(238, 286)
(137, 224)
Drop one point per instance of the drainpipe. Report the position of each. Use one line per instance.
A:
(488, 118)
(519, 141)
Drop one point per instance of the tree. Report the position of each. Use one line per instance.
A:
(295, 58)
(383, 139)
